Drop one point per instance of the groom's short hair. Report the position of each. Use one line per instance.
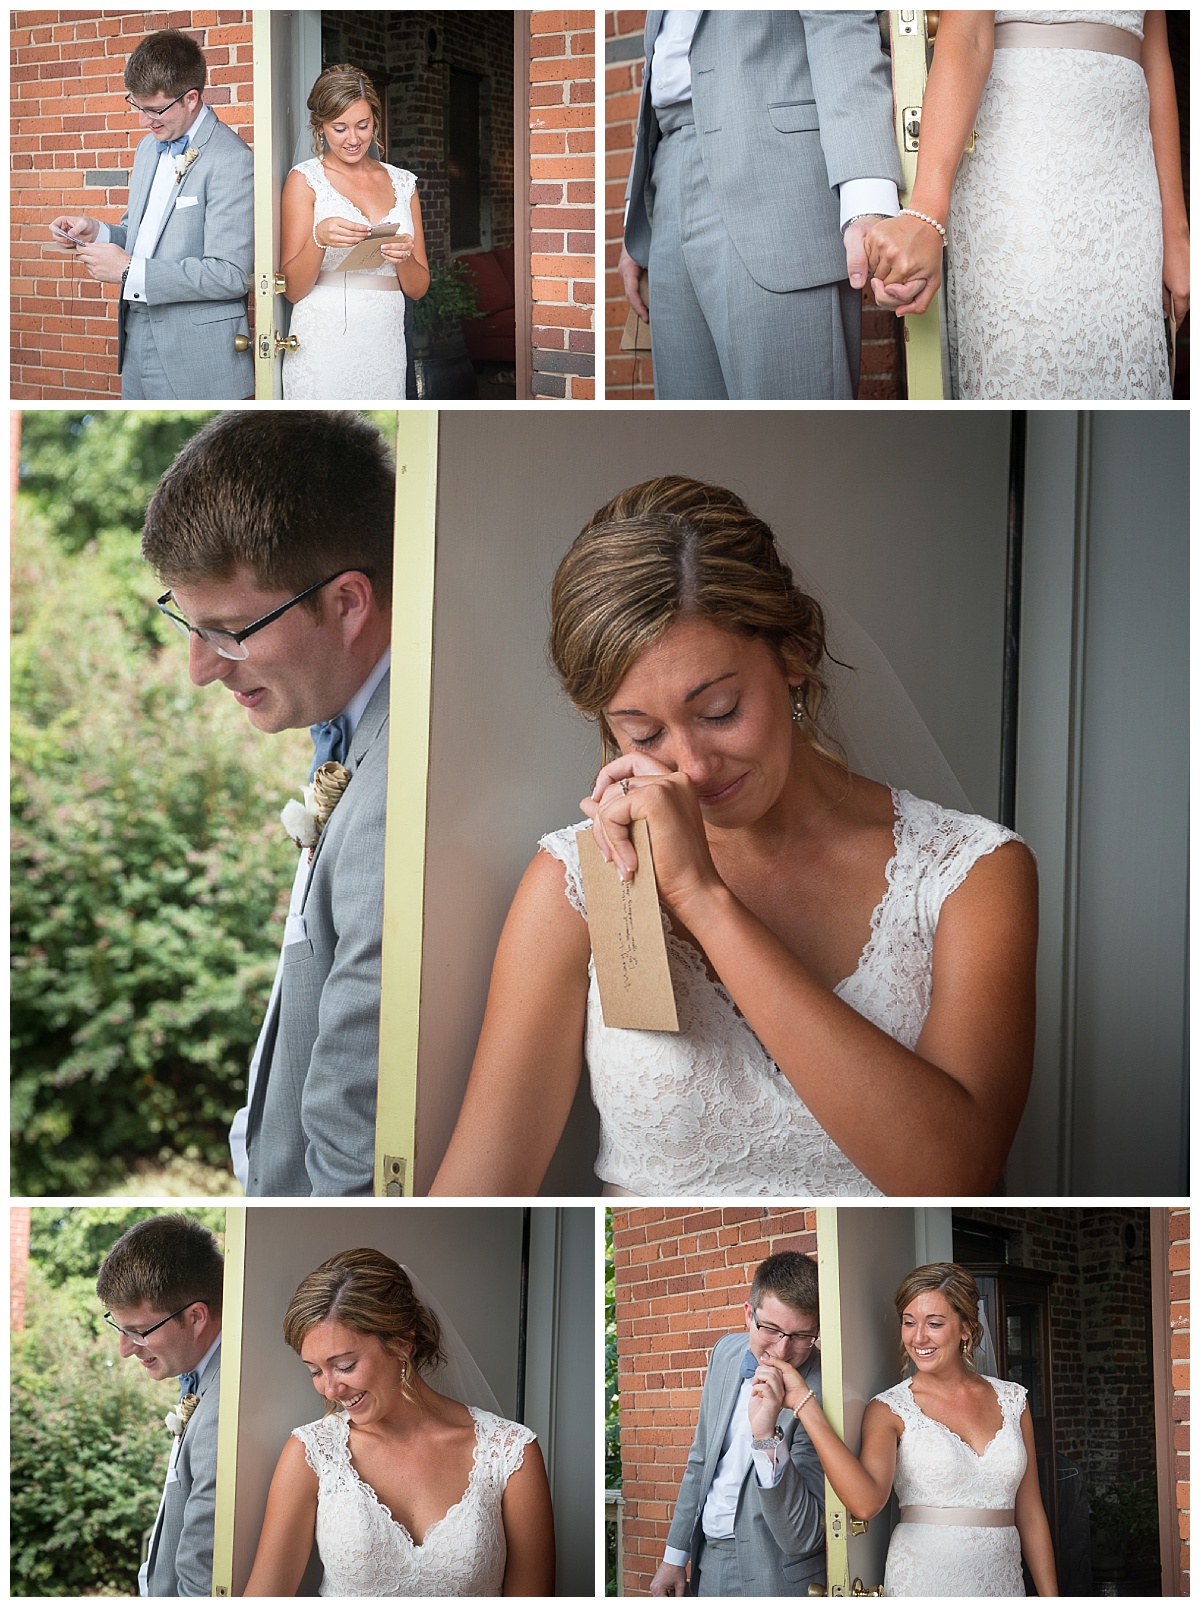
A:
(166, 63)
(295, 496)
(790, 1277)
(166, 1261)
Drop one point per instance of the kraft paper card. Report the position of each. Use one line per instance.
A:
(367, 255)
(628, 945)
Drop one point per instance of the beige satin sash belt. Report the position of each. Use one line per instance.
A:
(1070, 36)
(359, 281)
(963, 1517)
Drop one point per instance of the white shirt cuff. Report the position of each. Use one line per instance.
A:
(103, 233)
(677, 1558)
(135, 280)
(859, 196)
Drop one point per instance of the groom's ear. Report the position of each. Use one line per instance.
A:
(353, 598)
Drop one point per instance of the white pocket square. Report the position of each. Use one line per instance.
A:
(186, 200)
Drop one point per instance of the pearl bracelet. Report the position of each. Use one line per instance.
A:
(925, 218)
(798, 1409)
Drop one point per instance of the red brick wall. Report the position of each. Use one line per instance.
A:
(73, 139)
(18, 1263)
(681, 1279)
(1181, 1335)
(562, 194)
(631, 375)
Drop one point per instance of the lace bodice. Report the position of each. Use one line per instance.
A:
(331, 203)
(705, 1110)
(935, 1468)
(1131, 21)
(366, 1552)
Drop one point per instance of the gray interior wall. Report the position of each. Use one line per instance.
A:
(1102, 790)
(898, 516)
(469, 1258)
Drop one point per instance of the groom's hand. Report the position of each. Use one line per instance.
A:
(105, 262)
(81, 230)
(670, 1580)
(631, 274)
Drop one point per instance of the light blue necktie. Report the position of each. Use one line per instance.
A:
(331, 739)
(189, 1383)
(176, 147)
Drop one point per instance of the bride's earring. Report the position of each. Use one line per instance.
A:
(797, 695)
(319, 142)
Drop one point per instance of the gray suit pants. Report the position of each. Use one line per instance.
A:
(718, 1568)
(717, 334)
(143, 378)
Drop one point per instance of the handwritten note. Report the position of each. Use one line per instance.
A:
(628, 945)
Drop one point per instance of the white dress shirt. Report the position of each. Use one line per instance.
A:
(294, 932)
(671, 82)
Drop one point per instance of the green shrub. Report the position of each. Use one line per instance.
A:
(149, 876)
(88, 1453)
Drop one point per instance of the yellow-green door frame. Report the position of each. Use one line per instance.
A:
(922, 333)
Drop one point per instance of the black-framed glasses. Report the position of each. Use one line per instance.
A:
(139, 1336)
(229, 643)
(157, 111)
(771, 1332)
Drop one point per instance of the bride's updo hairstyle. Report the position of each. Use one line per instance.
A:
(666, 550)
(961, 1293)
(369, 1292)
(337, 88)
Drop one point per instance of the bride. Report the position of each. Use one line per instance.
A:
(958, 1448)
(1067, 226)
(349, 325)
(408, 1491)
(853, 967)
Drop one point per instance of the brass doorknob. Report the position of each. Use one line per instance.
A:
(241, 343)
(859, 1589)
(286, 343)
(816, 1590)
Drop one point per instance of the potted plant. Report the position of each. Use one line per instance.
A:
(1125, 1532)
(443, 369)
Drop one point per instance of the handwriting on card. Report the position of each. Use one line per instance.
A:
(628, 945)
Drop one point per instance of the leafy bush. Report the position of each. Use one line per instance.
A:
(88, 1452)
(149, 876)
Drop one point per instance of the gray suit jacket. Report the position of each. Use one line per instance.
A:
(311, 1125)
(788, 105)
(181, 1549)
(203, 260)
(779, 1533)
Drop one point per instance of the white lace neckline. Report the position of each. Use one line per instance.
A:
(937, 1422)
(369, 1490)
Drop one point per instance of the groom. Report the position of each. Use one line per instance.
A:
(750, 1518)
(764, 148)
(162, 1284)
(274, 532)
(183, 254)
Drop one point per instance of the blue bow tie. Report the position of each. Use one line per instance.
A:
(189, 1383)
(749, 1365)
(331, 739)
(176, 147)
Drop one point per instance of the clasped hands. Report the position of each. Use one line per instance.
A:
(776, 1384)
(637, 787)
(105, 261)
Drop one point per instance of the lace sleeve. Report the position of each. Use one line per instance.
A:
(319, 1440)
(504, 1445)
(561, 845)
(404, 183)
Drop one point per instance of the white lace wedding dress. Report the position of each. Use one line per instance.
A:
(934, 1468)
(706, 1110)
(366, 1552)
(1054, 287)
(351, 337)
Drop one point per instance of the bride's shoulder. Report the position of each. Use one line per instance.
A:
(402, 178)
(1011, 1393)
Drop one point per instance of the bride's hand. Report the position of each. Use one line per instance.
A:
(398, 249)
(904, 253)
(792, 1383)
(637, 787)
(1176, 272)
(339, 232)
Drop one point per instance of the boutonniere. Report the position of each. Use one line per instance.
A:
(183, 161)
(304, 822)
(177, 1420)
